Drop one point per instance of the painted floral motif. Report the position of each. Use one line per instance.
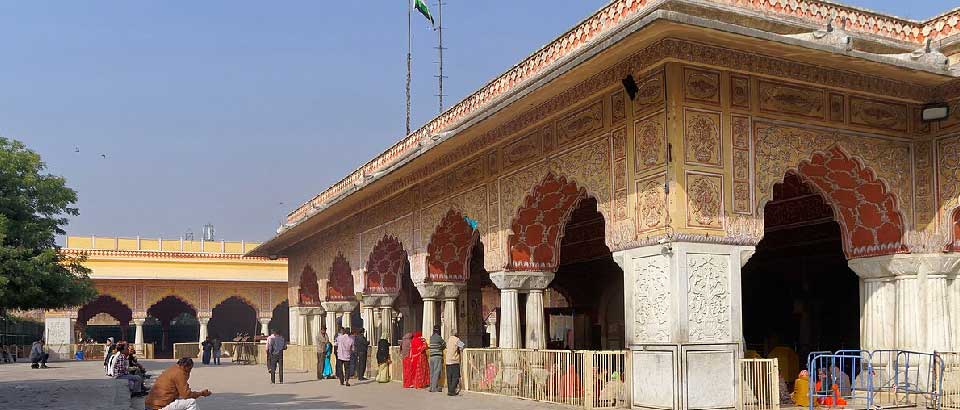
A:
(651, 204)
(704, 201)
(702, 85)
(450, 248)
(385, 266)
(340, 280)
(534, 243)
(650, 142)
(702, 138)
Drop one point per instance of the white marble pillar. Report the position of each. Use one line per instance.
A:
(448, 319)
(938, 314)
(509, 319)
(536, 328)
(138, 334)
(264, 325)
(386, 323)
(877, 314)
(367, 313)
(909, 326)
(331, 325)
(953, 302)
(294, 321)
(203, 328)
(429, 316)
(345, 319)
(492, 329)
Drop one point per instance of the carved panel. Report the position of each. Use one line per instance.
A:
(701, 85)
(493, 162)
(651, 289)
(791, 99)
(837, 108)
(948, 151)
(925, 211)
(739, 91)
(920, 126)
(618, 140)
(580, 123)
(522, 150)
(878, 114)
(467, 174)
(651, 142)
(589, 166)
(701, 133)
(742, 191)
(549, 135)
(651, 94)
(708, 298)
(618, 107)
(651, 203)
(704, 200)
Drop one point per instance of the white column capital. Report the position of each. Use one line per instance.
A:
(907, 265)
(439, 290)
(138, 322)
(264, 320)
(522, 280)
(203, 320)
(340, 306)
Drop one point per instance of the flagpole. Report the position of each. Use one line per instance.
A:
(440, 50)
(409, 36)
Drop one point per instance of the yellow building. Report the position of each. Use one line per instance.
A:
(156, 284)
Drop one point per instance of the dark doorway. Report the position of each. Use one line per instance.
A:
(177, 322)
(409, 305)
(799, 295)
(231, 317)
(281, 320)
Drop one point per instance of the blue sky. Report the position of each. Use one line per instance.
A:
(219, 111)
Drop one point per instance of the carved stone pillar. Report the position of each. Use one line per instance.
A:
(138, 335)
(953, 303)
(264, 325)
(386, 323)
(367, 313)
(331, 325)
(345, 320)
(332, 308)
(203, 328)
(922, 299)
(878, 314)
(445, 292)
(511, 283)
(294, 322)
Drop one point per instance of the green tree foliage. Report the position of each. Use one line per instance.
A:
(33, 209)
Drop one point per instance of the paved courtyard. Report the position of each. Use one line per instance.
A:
(81, 385)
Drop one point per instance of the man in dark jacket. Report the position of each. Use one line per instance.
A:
(436, 347)
(360, 348)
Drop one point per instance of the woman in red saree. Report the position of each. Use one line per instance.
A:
(416, 371)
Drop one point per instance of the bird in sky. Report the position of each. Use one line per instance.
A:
(103, 155)
(76, 149)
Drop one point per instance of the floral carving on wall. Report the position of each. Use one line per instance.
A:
(651, 204)
(651, 142)
(701, 85)
(651, 289)
(878, 114)
(708, 298)
(702, 138)
(704, 200)
(739, 91)
(651, 93)
(948, 170)
(791, 99)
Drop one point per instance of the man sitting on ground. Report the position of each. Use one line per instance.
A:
(121, 370)
(38, 358)
(171, 391)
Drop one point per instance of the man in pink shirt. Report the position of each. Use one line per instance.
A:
(344, 343)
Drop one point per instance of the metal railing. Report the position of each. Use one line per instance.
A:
(759, 384)
(589, 379)
(951, 380)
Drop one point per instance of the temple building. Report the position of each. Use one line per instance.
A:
(690, 181)
(156, 292)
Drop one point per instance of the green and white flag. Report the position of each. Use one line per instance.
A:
(422, 8)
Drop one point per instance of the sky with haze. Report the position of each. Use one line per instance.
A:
(234, 112)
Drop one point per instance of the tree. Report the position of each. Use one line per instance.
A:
(33, 208)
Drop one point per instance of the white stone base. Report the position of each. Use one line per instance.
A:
(685, 376)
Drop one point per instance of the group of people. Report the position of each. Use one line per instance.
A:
(420, 372)
(350, 347)
(211, 347)
(831, 389)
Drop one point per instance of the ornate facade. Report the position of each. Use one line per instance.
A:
(678, 120)
(137, 278)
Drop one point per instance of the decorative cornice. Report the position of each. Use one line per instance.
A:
(900, 265)
(340, 306)
(439, 290)
(616, 15)
(521, 280)
(164, 254)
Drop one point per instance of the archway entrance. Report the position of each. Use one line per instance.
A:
(478, 300)
(176, 323)
(104, 317)
(231, 317)
(280, 319)
(799, 295)
(584, 305)
(409, 306)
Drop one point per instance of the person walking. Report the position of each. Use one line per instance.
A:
(207, 346)
(275, 347)
(345, 346)
(38, 357)
(171, 390)
(217, 345)
(361, 347)
(436, 346)
(452, 360)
